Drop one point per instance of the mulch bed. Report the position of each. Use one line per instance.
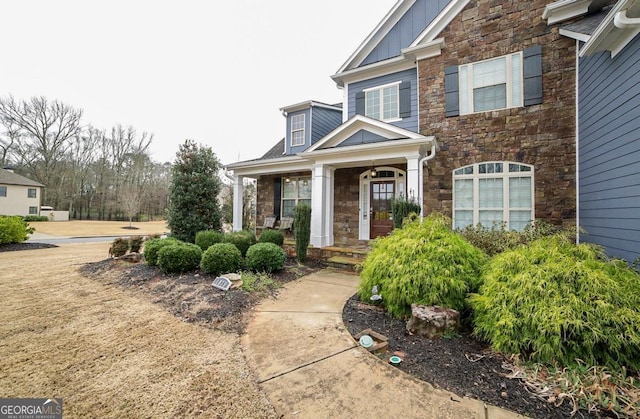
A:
(13, 247)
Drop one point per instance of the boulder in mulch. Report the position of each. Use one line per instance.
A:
(433, 321)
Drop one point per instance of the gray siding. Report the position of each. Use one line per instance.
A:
(609, 150)
(417, 18)
(362, 137)
(307, 133)
(411, 122)
(323, 122)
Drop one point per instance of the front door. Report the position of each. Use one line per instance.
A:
(382, 194)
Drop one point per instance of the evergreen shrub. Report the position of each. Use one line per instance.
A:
(272, 236)
(302, 230)
(556, 302)
(119, 247)
(265, 257)
(239, 239)
(221, 258)
(30, 218)
(423, 263)
(13, 229)
(401, 208)
(206, 238)
(135, 243)
(179, 257)
(153, 246)
(496, 239)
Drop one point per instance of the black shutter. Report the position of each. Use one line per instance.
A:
(451, 91)
(277, 195)
(532, 75)
(405, 99)
(360, 103)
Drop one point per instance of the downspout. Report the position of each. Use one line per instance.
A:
(421, 164)
(623, 22)
(577, 142)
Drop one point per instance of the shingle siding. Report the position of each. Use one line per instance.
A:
(609, 151)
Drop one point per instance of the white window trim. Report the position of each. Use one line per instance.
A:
(380, 88)
(304, 124)
(505, 176)
(468, 89)
(297, 198)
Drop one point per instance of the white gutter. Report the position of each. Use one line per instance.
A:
(421, 164)
(623, 22)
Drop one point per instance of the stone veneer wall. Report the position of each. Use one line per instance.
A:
(542, 135)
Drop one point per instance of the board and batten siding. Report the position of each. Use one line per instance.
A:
(414, 21)
(323, 122)
(410, 76)
(609, 151)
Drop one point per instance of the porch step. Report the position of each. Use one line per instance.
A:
(344, 262)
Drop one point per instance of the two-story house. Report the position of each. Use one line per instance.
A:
(469, 107)
(19, 195)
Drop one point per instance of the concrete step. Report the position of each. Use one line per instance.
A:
(344, 262)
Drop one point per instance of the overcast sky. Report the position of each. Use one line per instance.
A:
(213, 71)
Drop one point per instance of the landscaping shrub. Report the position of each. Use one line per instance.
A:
(221, 258)
(13, 229)
(250, 235)
(206, 238)
(179, 257)
(554, 301)
(496, 239)
(302, 230)
(423, 263)
(135, 243)
(30, 218)
(272, 236)
(240, 239)
(119, 247)
(259, 283)
(401, 208)
(153, 246)
(265, 257)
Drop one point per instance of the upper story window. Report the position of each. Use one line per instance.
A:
(493, 192)
(31, 193)
(297, 130)
(382, 102)
(3, 191)
(491, 84)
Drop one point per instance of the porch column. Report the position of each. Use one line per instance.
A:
(322, 206)
(413, 177)
(238, 191)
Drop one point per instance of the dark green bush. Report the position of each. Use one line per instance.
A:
(265, 257)
(423, 263)
(119, 247)
(153, 246)
(179, 257)
(553, 301)
(30, 218)
(401, 208)
(496, 239)
(239, 239)
(206, 238)
(13, 229)
(135, 243)
(221, 258)
(272, 236)
(302, 229)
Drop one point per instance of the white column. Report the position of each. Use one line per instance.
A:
(322, 206)
(238, 192)
(413, 177)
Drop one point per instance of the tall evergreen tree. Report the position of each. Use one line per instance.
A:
(193, 192)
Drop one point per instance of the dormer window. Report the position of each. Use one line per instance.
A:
(382, 102)
(297, 130)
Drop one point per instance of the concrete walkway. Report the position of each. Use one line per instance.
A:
(310, 367)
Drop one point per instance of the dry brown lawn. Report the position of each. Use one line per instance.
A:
(107, 353)
(80, 228)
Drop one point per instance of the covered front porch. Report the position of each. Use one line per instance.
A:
(349, 178)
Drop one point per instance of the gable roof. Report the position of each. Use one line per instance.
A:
(619, 27)
(562, 10)
(7, 177)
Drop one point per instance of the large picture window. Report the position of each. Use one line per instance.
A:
(493, 192)
(382, 102)
(491, 84)
(295, 191)
(297, 130)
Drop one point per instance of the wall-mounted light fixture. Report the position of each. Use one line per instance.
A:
(287, 180)
(373, 171)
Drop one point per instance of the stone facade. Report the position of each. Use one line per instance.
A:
(541, 135)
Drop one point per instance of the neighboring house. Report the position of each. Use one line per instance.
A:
(608, 56)
(18, 194)
(467, 106)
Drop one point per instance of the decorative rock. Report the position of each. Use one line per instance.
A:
(236, 280)
(131, 257)
(432, 321)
